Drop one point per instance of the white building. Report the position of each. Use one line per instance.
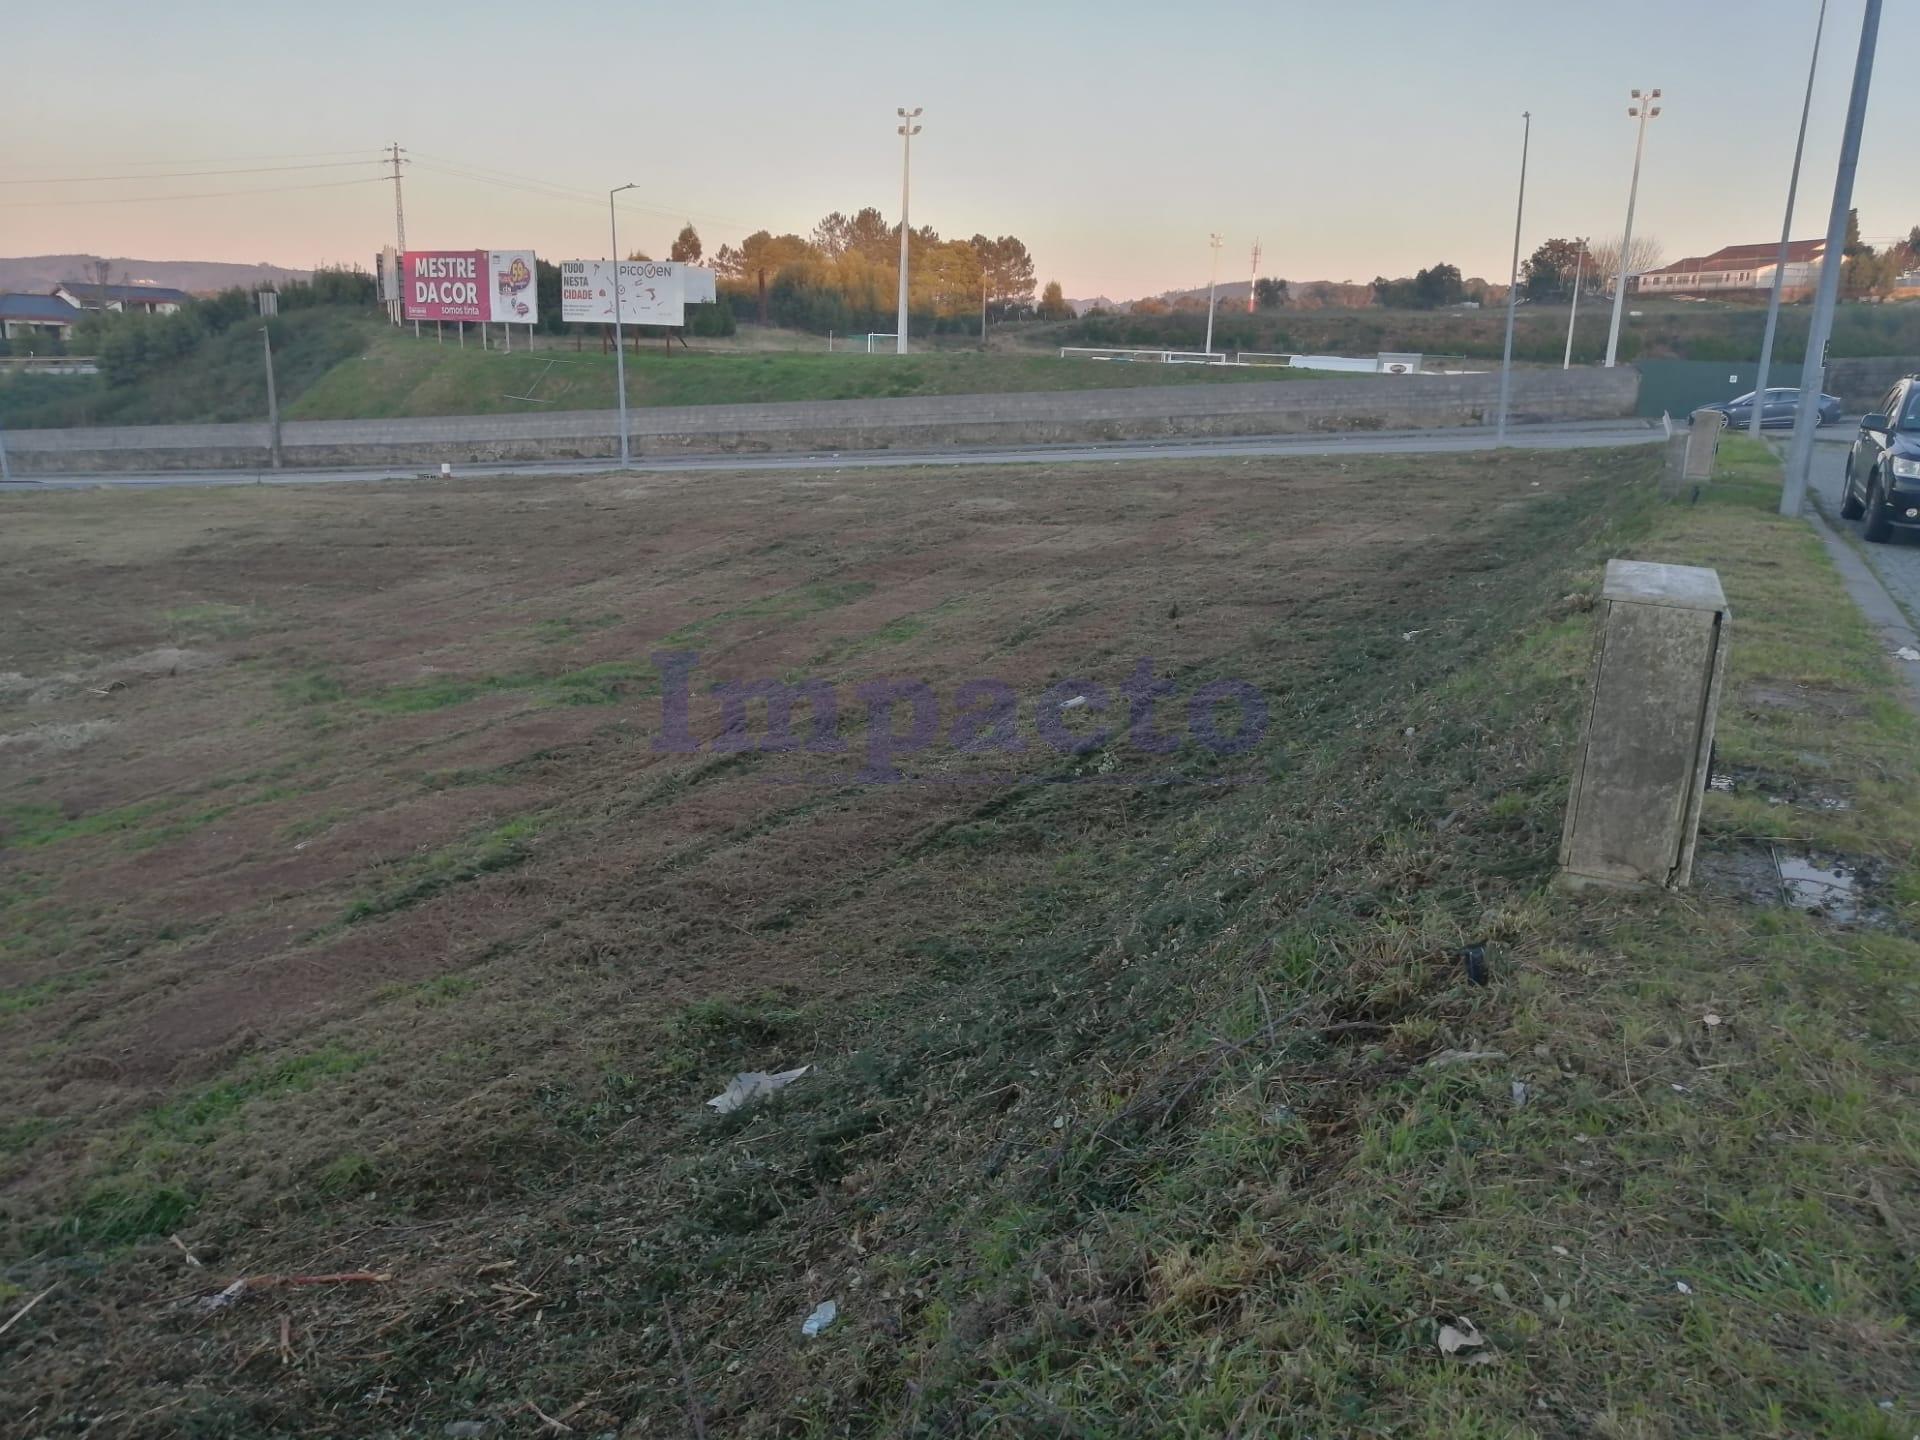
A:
(1738, 267)
(141, 299)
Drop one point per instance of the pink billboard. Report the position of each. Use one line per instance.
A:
(445, 285)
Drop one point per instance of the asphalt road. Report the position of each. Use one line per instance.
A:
(1897, 562)
(1583, 435)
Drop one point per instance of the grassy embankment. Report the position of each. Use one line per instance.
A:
(1659, 329)
(333, 366)
(1170, 1138)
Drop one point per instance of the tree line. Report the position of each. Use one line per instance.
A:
(844, 277)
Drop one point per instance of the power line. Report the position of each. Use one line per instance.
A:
(180, 174)
(488, 176)
(200, 195)
(231, 159)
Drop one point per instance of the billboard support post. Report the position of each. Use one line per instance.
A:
(619, 354)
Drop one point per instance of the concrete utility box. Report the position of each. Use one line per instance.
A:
(1703, 443)
(1642, 766)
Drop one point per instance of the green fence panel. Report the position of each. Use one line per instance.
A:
(1679, 387)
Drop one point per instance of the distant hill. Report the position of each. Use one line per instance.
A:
(33, 274)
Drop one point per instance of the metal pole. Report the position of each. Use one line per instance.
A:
(619, 353)
(1213, 277)
(1645, 110)
(1786, 240)
(1579, 265)
(906, 130)
(273, 403)
(1513, 283)
(1806, 414)
(6, 471)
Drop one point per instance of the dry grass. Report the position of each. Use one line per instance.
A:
(1121, 1120)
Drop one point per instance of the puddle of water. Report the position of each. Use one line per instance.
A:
(1728, 782)
(1824, 890)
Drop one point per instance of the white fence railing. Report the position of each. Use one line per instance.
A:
(1154, 357)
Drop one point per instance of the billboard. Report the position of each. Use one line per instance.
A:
(652, 292)
(699, 286)
(388, 268)
(444, 285)
(514, 294)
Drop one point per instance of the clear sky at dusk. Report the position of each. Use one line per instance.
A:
(1374, 136)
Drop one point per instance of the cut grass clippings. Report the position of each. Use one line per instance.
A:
(1192, 1122)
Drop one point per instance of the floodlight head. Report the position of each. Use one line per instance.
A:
(1656, 95)
(1655, 111)
(1635, 94)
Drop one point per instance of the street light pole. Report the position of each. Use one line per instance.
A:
(1213, 278)
(619, 346)
(906, 129)
(1806, 414)
(1513, 283)
(1786, 240)
(1644, 110)
(1579, 267)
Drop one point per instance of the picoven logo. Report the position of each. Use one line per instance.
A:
(1142, 719)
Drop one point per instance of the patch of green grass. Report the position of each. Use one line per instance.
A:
(347, 1175)
(600, 684)
(210, 620)
(315, 687)
(122, 1209)
(31, 826)
(199, 1116)
(21, 998)
(796, 603)
(415, 880)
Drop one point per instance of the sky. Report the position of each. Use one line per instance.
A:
(1354, 139)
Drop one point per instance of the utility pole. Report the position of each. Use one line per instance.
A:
(1643, 109)
(1579, 268)
(1813, 370)
(1513, 282)
(273, 403)
(399, 223)
(1213, 277)
(1253, 284)
(906, 130)
(1786, 240)
(619, 348)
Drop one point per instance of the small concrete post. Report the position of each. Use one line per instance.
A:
(1634, 810)
(1703, 443)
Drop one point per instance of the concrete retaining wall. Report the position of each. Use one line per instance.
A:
(1376, 403)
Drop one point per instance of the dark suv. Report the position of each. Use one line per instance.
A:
(1883, 465)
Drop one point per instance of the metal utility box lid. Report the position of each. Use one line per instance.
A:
(1683, 587)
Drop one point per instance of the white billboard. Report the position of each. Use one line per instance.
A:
(699, 285)
(652, 292)
(513, 290)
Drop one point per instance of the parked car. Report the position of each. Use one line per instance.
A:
(1776, 413)
(1883, 465)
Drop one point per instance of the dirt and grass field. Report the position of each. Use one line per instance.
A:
(355, 925)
